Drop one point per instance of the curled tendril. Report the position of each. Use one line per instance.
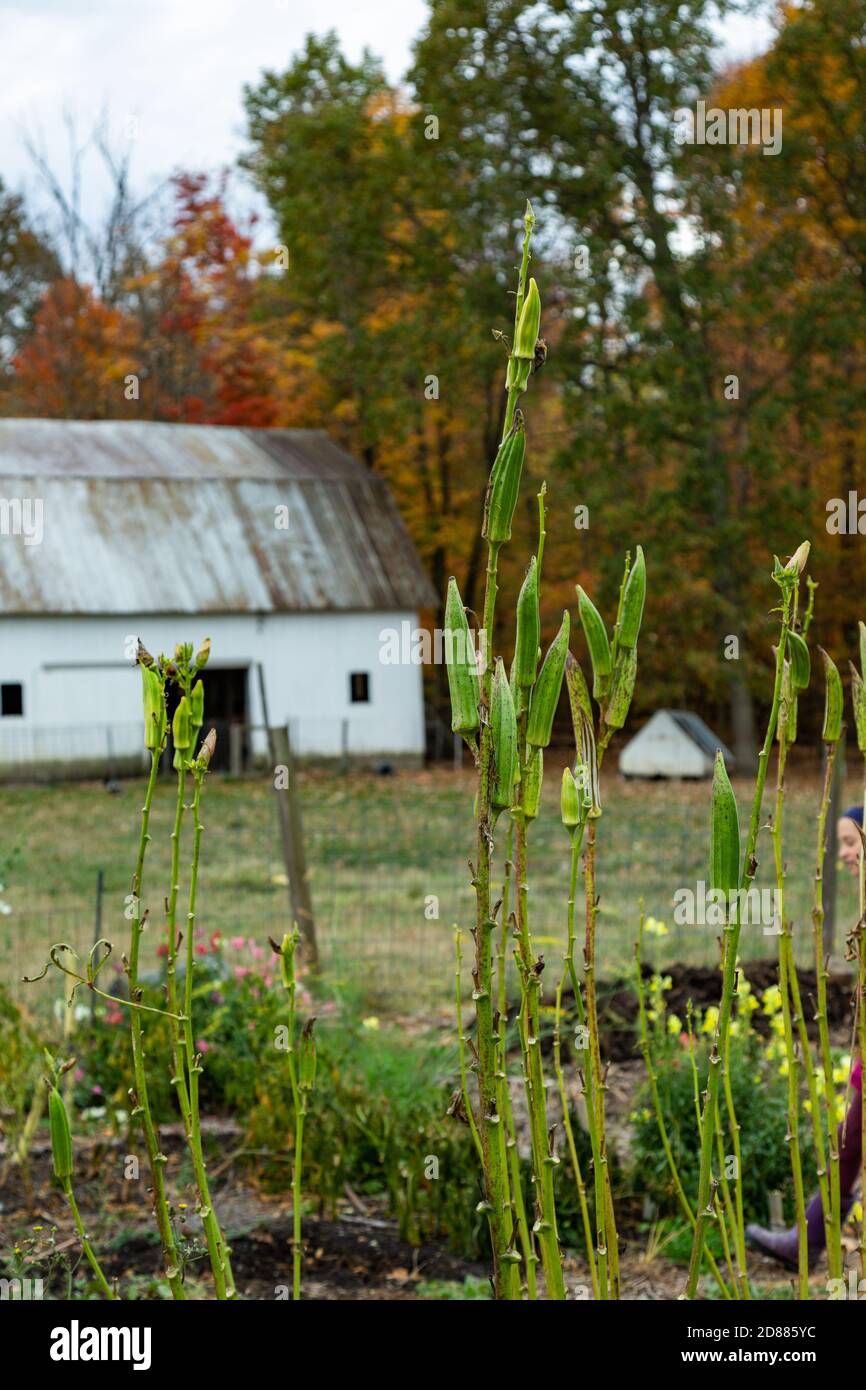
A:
(97, 957)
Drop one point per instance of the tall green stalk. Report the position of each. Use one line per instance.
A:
(787, 969)
(530, 1256)
(302, 1074)
(496, 1187)
(569, 972)
(218, 1250)
(544, 1156)
(787, 580)
(141, 1103)
(832, 1200)
(658, 1109)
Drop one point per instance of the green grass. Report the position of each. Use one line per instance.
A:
(389, 873)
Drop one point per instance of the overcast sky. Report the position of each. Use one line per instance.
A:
(174, 70)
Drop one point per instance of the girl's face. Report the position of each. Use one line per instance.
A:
(848, 833)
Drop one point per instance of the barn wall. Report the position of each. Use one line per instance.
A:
(77, 676)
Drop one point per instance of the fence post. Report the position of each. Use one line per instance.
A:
(293, 846)
(300, 902)
(236, 750)
(97, 925)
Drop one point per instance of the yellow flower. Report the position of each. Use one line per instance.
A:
(654, 927)
(646, 1114)
(711, 1018)
(371, 1023)
(772, 999)
(674, 1024)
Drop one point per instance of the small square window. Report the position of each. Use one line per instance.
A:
(359, 688)
(11, 699)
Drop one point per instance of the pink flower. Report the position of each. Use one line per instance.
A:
(202, 1046)
(241, 971)
(201, 950)
(162, 949)
(114, 1017)
(257, 953)
(238, 943)
(79, 1074)
(97, 1090)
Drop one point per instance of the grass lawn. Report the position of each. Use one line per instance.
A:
(388, 865)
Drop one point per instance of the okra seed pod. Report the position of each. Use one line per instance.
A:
(725, 831)
(463, 682)
(833, 700)
(545, 694)
(598, 644)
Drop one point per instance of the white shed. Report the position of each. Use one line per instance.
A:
(673, 743)
(276, 544)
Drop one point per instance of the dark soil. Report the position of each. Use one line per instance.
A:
(357, 1255)
(618, 1007)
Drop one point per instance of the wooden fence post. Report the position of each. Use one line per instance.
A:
(291, 830)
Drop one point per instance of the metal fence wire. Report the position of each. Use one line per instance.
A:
(387, 859)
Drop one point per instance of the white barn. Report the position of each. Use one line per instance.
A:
(673, 743)
(276, 544)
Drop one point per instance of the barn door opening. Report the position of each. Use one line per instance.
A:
(226, 709)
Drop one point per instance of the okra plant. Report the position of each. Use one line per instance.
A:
(157, 675)
(507, 721)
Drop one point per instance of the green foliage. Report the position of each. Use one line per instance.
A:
(760, 1103)
(21, 1056)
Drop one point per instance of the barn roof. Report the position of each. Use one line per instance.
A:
(143, 517)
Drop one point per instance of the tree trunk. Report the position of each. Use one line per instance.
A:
(743, 726)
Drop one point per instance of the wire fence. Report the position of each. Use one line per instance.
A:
(388, 873)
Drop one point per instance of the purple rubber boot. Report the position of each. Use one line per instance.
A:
(783, 1245)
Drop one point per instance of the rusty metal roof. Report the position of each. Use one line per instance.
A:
(157, 518)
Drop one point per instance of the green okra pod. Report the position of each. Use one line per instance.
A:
(622, 688)
(61, 1138)
(528, 633)
(598, 644)
(569, 800)
(533, 778)
(155, 716)
(525, 340)
(801, 663)
(529, 325)
(833, 700)
(504, 484)
(462, 668)
(858, 700)
(724, 831)
(633, 601)
(545, 694)
(504, 727)
(196, 708)
(787, 727)
(578, 693)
